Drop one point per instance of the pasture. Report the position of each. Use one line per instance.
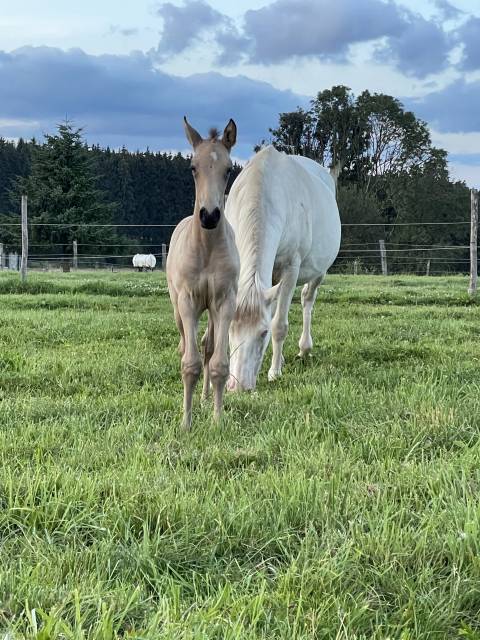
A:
(342, 501)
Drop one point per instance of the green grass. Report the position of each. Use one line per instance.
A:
(340, 502)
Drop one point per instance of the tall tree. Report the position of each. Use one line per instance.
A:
(391, 171)
(63, 192)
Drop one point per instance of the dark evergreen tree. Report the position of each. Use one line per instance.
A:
(63, 194)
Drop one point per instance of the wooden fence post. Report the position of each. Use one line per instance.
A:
(1, 256)
(355, 267)
(24, 263)
(383, 256)
(472, 289)
(75, 255)
(164, 257)
(427, 273)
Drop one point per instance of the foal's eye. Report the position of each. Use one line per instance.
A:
(263, 335)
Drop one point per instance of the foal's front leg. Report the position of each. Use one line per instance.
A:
(191, 361)
(208, 346)
(219, 362)
(179, 323)
(280, 321)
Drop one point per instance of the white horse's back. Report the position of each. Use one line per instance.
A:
(290, 201)
(287, 228)
(316, 170)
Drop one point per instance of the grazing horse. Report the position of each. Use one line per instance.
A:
(284, 213)
(202, 269)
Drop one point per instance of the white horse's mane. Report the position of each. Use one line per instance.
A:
(250, 234)
(253, 213)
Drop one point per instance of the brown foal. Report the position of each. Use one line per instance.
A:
(202, 270)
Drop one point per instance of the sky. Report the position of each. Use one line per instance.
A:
(128, 71)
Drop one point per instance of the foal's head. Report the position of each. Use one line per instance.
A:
(211, 168)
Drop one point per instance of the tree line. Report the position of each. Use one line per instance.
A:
(388, 171)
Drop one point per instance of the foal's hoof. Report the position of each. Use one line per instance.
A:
(186, 424)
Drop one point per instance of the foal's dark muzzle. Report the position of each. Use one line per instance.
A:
(209, 219)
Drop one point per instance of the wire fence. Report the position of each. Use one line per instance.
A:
(353, 257)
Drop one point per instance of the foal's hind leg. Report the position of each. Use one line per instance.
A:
(208, 344)
(309, 294)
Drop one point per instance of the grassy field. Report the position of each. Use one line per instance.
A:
(340, 502)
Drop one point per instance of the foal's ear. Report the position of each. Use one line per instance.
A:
(230, 134)
(192, 134)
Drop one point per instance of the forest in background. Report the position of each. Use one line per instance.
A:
(389, 176)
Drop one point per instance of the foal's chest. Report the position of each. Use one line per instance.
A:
(215, 285)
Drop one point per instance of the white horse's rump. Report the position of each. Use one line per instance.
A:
(287, 229)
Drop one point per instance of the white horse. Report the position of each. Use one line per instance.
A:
(287, 228)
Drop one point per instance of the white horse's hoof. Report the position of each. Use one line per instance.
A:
(305, 354)
(274, 374)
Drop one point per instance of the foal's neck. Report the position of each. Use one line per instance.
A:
(208, 239)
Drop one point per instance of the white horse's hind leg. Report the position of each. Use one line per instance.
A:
(280, 321)
(309, 295)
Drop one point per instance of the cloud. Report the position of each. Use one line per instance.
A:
(459, 144)
(183, 25)
(453, 109)
(125, 100)
(290, 29)
(465, 171)
(421, 48)
(123, 31)
(469, 36)
(232, 46)
(447, 11)
(286, 29)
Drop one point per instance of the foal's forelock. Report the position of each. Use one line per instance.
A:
(213, 134)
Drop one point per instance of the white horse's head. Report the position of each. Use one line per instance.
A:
(249, 336)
